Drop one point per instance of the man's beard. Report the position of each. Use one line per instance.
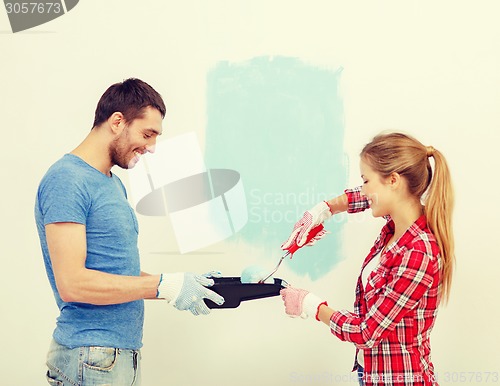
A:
(119, 154)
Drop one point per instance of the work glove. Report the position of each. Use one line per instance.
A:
(311, 218)
(186, 291)
(299, 302)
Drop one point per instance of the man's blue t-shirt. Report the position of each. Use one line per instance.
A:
(73, 191)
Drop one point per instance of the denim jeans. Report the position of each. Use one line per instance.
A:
(361, 373)
(84, 366)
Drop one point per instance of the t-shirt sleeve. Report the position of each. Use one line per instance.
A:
(62, 198)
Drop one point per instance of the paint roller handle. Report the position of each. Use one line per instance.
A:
(312, 234)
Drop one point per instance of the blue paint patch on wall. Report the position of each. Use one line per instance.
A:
(279, 122)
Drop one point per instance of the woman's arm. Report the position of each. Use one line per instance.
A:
(325, 314)
(413, 280)
(338, 204)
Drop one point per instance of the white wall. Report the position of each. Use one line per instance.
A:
(430, 68)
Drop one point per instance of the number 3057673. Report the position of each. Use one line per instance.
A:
(32, 8)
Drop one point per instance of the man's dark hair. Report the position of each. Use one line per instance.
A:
(130, 98)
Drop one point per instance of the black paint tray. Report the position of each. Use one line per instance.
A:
(234, 291)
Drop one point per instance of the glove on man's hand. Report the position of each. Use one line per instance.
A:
(186, 291)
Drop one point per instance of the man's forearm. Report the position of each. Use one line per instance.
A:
(100, 288)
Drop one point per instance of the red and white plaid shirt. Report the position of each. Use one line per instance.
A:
(394, 315)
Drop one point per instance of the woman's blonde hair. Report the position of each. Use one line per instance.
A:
(403, 154)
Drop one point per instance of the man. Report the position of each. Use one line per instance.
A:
(88, 235)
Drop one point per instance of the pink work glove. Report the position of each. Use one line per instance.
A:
(312, 218)
(299, 302)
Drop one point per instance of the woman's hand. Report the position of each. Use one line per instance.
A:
(299, 302)
(311, 219)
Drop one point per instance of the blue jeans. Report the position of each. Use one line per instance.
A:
(84, 366)
(361, 373)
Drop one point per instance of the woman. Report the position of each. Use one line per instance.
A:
(408, 270)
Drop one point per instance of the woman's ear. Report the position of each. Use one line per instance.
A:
(394, 180)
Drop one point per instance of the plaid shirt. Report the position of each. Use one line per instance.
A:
(394, 315)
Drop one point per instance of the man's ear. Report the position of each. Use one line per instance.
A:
(116, 122)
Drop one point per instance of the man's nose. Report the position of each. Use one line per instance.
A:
(151, 148)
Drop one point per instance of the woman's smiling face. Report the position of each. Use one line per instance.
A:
(376, 189)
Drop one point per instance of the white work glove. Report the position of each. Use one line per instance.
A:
(299, 302)
(311, 218)
(186, 291)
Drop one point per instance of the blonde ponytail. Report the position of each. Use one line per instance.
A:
(439, 202)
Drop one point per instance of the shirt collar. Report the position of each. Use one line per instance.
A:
(416, 228)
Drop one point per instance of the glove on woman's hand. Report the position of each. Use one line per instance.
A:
(299, 302)
(311, 219)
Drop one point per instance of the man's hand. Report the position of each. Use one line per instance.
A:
(186, 291)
